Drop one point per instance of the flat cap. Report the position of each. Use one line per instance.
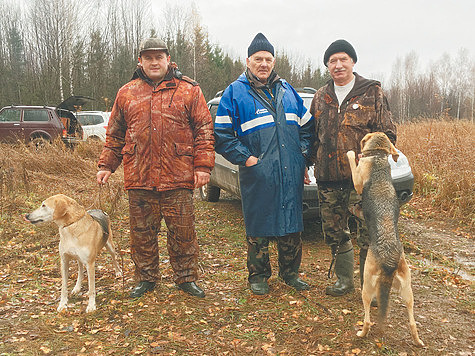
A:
(152, 44)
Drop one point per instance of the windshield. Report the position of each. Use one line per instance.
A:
(90, 119)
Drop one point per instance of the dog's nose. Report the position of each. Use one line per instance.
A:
(26, 217)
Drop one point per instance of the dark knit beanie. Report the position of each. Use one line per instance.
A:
(260, 43)
(339, 46)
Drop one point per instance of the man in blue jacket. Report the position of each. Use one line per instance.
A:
(263, 126)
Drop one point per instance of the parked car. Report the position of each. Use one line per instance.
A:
(94, 124)
(38, 125)
(225, 175)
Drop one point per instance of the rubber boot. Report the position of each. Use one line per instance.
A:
(344, 265)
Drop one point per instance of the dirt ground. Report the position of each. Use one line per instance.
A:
(442, 262)
(230, 320)
(443, 270)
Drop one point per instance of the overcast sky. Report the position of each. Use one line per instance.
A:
(380, 30)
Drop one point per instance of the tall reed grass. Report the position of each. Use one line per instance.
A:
(29, 175)
(441, 154)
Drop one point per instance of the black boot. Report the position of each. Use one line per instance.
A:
(192, 289)
(259, 288)
(142, 288)
(297, 284)
(344, 265)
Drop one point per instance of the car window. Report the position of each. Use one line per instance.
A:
(10, 115)
(213, 109)
(35, 115)
(90, 119)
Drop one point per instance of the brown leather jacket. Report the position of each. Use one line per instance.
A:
(339, 129)
(163, 134)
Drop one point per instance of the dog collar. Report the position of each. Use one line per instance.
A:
(82, 217)
(373, 153)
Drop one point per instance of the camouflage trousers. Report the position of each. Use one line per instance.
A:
(289, 249)
(337, 206)
(147, 208)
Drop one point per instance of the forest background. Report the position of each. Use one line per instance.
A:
(53, 49)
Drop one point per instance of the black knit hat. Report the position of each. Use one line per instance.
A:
(339, 46)
(259, 43)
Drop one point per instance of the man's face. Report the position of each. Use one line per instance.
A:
(340, 66)
(261, 64)
(154, 64)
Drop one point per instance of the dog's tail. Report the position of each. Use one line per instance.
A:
(389, 253)
(385, 285)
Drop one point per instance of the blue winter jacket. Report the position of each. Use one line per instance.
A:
(246, 125)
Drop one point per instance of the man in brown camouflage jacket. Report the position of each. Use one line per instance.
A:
(160, 127)
(345, 110)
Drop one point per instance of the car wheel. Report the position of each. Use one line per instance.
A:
(210, 193)
(39, 142)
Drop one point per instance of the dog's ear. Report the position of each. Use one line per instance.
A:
(60, 209)
(393, 151)
(363, 142)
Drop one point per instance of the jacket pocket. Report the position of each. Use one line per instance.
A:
(129, 149)
(183, 149)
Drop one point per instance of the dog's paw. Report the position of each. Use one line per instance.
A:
(90, 308)
(420, 344)
(360, 333)
(76, 290)
(351, 155)
(118, 274)
(62, 307)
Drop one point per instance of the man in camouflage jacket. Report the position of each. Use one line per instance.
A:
(160, 127)
(345, 110)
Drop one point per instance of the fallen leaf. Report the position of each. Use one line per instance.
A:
(45, 350)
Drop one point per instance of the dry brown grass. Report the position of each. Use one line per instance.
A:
(229, 321)
(28, 176)
(441, 157)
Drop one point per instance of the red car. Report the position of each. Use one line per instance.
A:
(42, 124)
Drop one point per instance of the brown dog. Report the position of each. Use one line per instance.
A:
(82, 235)
(385, 261)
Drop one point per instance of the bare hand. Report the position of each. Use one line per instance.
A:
(251, 161)
(306, 178)
(201, 178)
(103, 176)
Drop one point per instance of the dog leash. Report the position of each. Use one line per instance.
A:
(331, 270)
(98, 200)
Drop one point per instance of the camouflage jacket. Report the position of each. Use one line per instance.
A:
(339, 129)
(162, 134)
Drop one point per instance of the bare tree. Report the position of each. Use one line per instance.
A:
(53, 36)
(444, 74)
(472, 88)
(461, 79)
